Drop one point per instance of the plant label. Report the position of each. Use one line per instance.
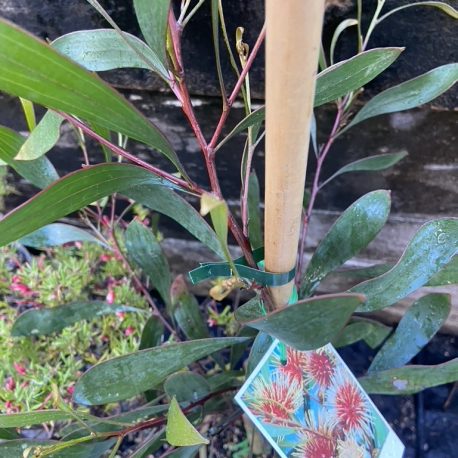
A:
(309, 404)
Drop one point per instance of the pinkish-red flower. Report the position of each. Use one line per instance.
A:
(351, 407)
(20, 369)
(320, 368)
(295, 363)
(316, 446)
(10, 384)
(129, 331)
(111, 297)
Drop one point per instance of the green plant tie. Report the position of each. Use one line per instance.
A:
(209, 270)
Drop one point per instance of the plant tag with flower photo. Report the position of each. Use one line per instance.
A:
(308, 404)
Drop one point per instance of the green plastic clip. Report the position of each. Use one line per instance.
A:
(209, 270)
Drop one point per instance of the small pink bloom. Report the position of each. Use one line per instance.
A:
(16, 279)
(104, 257)
(21, 289)
(212, 322)
(71, 389)
(78, 245)
(110, 296)
(10, 384)
(129, 331)
(121, 315)
(20, 369)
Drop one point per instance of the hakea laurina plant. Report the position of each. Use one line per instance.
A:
(180, 369)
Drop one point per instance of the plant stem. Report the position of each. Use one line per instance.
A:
(185, 185)
(181, 91)
(139, 284)
(236, 90)
(315, 188)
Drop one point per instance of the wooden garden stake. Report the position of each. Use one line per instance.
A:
(292, 49)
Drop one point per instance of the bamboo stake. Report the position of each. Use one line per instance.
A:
(292, 49)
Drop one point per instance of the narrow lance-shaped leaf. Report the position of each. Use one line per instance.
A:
(186, 386)
(309, 324)
(126, 376)
(47, 321)
(410, 94)
(352, 232)
(40, 172)
(58, 234)
(180, 432)
(185, 309)
(29, 113)
(42, 139)
(345, 24)
(219, 214)
(336, 81)
(254, 210)
(444, 7)
(417, 327)
(169, 203)
(33, 70)
(146, 252)
(152, 17)
(431, 248)
(369, 164)
(372, 332)
(20, 420)
(71, 193)
(152, 333)
(94, 449)
(447, 276)
(105, 49)
(410, 379)
(349, 75)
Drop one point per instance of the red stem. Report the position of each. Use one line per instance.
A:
(236, 90)
(130, 157)
(315, 188)
(181, 91)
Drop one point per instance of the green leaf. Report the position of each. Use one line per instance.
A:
(410, 94)
(57, 234)
(148, 446)
(29, 113)
(16, 448)
(345, 24)
(105, 49)
(152, 333)
(146, 252)
(39, 172)
(250, 310)
(369, 164)
(372, 332)
(254, 216)
(352, 232)
(43, 138)
(186, 386)
(180, 432)
(8, 434)
(33, 70)
(47, 321)
(186, 311)
(446, 276)
(417, 327)
(153, 18)
(20, 420)
(444, 7)
(261, 344)
(219, 213)
(169, 203)
(410, 379)
(185, 452)
(71, 193)
(334, 82)
(431, 248)
(254, 118)
(349, 75)
(309, 324)
(126, 376)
